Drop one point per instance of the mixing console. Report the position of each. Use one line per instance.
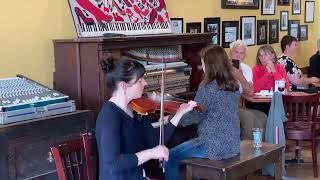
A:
(22, 98)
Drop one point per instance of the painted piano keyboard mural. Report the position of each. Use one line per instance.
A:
(93, 18)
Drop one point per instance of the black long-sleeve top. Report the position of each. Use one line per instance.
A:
(119, 137)
(314, 65)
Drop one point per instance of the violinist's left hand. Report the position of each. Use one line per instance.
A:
(186, 107)
(183, 109)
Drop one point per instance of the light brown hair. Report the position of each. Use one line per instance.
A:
(266, 49)
(218, 68)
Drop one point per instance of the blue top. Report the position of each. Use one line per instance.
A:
(219, 125)
(119, 137)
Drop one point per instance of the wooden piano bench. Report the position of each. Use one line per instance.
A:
(247, 162)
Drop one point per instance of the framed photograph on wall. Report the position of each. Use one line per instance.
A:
(193, 27)
(213, 25)
(177, 25)
(293, 28)
(273, 31)
(296, 7)
(262, 32)
(309, 12)
(248, 30)
(230, 32)
(268, 7)
(284, 16)
(303, 32)
(240, 4)
(283, 2)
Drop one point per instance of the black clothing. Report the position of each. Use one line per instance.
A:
(314, 65)
(119, 137)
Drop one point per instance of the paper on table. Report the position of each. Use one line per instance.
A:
(264, 93)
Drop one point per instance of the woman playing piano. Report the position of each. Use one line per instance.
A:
(124, 140)
(219, 126)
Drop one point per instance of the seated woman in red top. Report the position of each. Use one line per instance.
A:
(266, 71)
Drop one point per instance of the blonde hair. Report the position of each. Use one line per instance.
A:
(318, 43)
(237, 43)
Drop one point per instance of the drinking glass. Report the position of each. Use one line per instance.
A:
(257, 137)
(281, 86)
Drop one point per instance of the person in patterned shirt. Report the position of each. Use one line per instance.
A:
(289, 46)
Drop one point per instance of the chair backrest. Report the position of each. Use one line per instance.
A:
(69, 159)
(301, 109)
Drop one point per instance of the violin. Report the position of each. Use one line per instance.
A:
(145, 106)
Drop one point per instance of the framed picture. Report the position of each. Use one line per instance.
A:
(194, 27)
(177, 25)
(248, 29)
(283, 2)
(230, 32)
(309, 12)
(296, 6)
(240, 4)
(303, 32)
(262, 32)
(268, 7)
(293, 28)
(273, 31)
(284, 16)
(213, 25)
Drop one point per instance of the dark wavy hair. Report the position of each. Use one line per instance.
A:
(122, 69)
(287, 40)
(218, 67)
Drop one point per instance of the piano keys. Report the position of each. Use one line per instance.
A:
(98, 29)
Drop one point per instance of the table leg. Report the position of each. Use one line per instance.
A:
(278, 167)
(188, 172)
(246, 177)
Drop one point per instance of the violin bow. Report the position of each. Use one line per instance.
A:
(162, 163)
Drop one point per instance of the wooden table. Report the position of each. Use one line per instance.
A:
(257, 99)
(248, 161)
(261, 99)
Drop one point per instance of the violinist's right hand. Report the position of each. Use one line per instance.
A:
(160, 152)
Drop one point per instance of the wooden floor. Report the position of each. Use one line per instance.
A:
(301, 171)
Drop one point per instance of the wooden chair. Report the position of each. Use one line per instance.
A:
(69, 159)
(302, 123)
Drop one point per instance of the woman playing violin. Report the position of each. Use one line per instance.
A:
(219, 125)
(124, 140)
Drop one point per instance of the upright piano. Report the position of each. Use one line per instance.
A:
(77, 69)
